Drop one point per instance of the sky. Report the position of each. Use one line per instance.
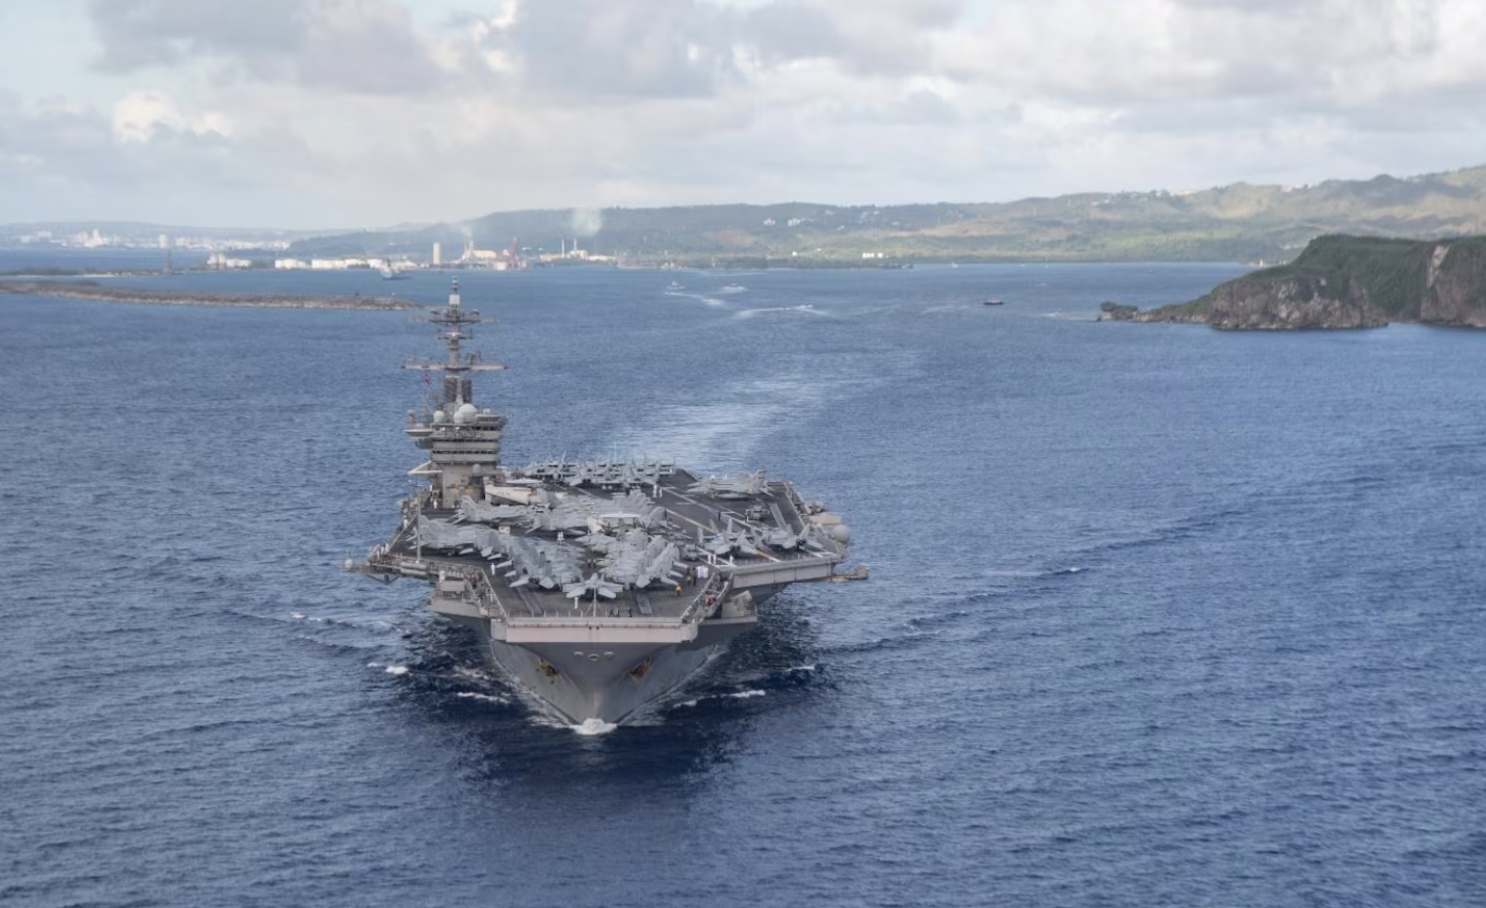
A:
(367, 113)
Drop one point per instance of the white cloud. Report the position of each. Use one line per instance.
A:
(586, 103)
(352, 46)
(1339, 52)
(145, 115)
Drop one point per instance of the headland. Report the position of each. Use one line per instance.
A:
(1344, 282)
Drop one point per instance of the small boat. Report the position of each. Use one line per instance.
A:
(675, 285)
(994, 301)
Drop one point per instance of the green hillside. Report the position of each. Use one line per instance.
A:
(1240, 222)
(1346, 282)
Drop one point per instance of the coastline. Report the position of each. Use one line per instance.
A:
(1343, 282)
(88, 290)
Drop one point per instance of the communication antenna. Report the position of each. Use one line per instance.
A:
(456, 324)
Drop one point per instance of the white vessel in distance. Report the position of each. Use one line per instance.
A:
(597, 587)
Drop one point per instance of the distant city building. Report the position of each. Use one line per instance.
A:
(149, 238)
(218, 260)
(290, 264)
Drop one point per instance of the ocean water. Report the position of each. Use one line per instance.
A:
(23, 259)
(1158, 616)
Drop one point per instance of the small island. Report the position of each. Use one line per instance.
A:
(91, 290)
(1343, 282)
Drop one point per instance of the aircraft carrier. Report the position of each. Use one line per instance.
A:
(597, 587)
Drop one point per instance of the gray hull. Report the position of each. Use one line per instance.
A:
(609, 683)
(604, 690)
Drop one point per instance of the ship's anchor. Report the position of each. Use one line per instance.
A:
(638, 672)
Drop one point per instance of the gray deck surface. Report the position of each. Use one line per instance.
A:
(689, 514)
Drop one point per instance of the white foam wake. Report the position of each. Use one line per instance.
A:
(950, 307)
(735, 695)
(594, 727)
(806, 308)
(488, 698)
(706, 435)
(708, 300)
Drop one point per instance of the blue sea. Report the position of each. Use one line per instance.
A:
(1158, 615)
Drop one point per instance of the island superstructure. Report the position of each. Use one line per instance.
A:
(596, 586)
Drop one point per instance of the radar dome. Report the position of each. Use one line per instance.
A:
(465, 413)
(438, 416)
(840, 532)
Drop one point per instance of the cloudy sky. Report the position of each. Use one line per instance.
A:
(311, 113)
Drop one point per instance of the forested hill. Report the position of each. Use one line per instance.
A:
(1346, 282)
(1240, 222)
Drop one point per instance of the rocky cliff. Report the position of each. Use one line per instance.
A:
(1456, 292)
(1345, 282)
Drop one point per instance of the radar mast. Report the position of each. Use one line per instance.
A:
(463, 442)
(456, 324)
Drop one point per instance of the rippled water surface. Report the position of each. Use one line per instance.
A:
(1158, 616)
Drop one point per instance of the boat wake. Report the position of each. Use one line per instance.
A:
(486, 698)
(706, 435)
(922, 622)
(747, 694)
(359, 634)
(879, 644)
(950, 307)
(375, 625)
(699, 297)
(804, 307)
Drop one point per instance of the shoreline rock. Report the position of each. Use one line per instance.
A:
(1342, 282)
